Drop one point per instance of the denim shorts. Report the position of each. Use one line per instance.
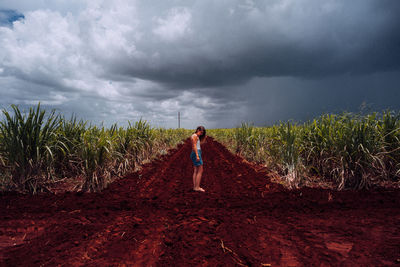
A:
(193, 158)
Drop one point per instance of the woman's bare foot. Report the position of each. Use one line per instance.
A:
(199, 189)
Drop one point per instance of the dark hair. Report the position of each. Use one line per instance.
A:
(201, 128)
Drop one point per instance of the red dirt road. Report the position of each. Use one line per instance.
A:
(152, 218)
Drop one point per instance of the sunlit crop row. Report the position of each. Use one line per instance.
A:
(347, 150)
(39, 147)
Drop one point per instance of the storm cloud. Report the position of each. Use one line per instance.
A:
(217, 62)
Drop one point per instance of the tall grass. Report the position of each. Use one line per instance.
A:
(349, 150)
(95, 153)
(290, 151)
(28, 144)
(345, 148)
(70, 133)
(389, 127)
(39, 147)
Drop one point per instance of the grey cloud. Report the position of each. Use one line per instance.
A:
(63, 6)
(306, 39)
(270, 100)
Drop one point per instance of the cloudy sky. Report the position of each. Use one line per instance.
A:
(219, 63)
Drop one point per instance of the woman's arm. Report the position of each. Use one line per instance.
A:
(194, 143)
(194, 146)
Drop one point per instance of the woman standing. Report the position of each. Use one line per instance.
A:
(197, 138)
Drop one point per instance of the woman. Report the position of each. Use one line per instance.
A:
(198, 137)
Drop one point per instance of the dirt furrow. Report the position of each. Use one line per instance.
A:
(153, 218)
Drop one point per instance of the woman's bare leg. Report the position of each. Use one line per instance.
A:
(198, 178)
(195, 169)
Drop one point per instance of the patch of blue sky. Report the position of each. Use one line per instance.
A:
(7, 17)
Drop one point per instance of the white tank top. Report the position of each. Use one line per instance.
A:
(198, 142)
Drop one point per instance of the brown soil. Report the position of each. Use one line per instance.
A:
(153, 218)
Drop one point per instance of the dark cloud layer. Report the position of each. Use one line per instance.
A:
(304, 40)
(275, 99)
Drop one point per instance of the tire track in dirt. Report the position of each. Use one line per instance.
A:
(152, 218)
(238, 184)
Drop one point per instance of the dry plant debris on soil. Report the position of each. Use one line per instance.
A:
(153, 218)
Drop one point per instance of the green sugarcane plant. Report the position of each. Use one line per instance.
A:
(28, 145)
